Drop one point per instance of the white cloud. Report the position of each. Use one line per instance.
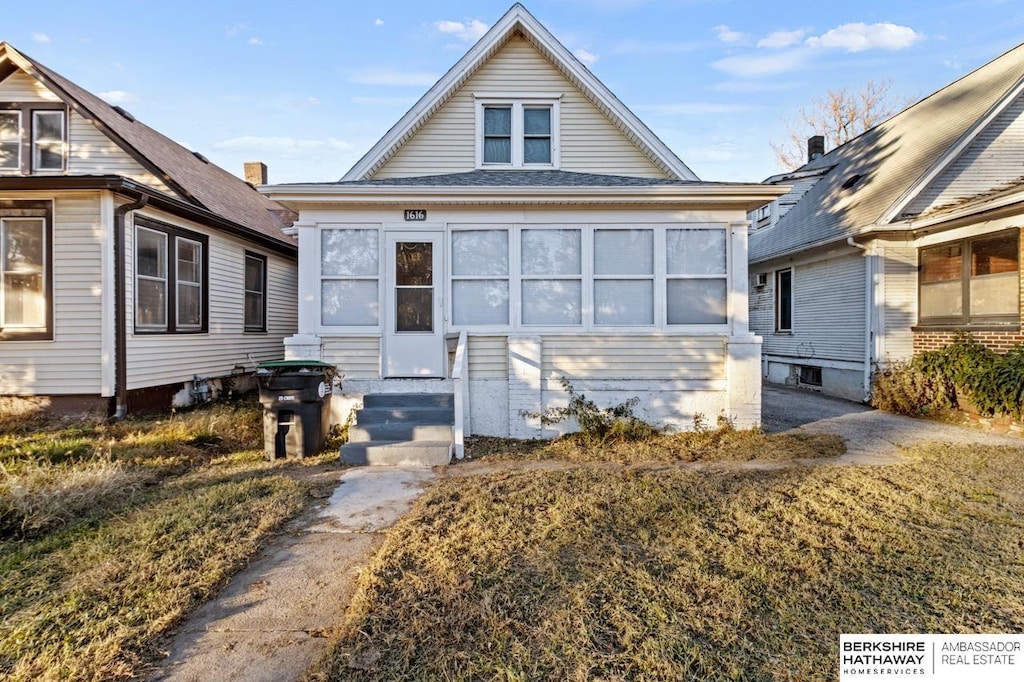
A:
(235, 29)
(255, 41)
(714, 152)
(588, 58)
(281, 147)
(371, 101)
(858, 37)
(694, 108)
(40, 37)
(119, 97)
(754, 65)
(386, 76)
(378, 22)
(780, 39)
(466, 31)
(727, 35)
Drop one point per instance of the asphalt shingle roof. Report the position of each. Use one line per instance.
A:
(890, 158)
(513, 178)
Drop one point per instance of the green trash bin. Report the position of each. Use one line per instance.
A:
(296, 399)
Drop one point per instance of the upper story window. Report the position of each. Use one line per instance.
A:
(33, 138)
(517, 132)
(26, 300)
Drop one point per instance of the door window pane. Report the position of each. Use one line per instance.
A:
(551, 252)
(414, 309)
(481, 301)
(349, 303)
(414, 263)
(696, 252)
(10, 140)
(349, 252)
(696, 301)
(624, 302)
(623, 252)
(551, 302)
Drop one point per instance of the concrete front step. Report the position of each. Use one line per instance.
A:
(409, 400)
(401, 453)
(405, 415)
(401, 431)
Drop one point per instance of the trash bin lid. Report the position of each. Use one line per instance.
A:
(277, 366)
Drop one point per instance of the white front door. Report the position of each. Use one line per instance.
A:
(413, 332)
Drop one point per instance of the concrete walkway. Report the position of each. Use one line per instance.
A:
(273, 619)
(872, 436)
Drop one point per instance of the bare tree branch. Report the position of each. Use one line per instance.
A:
(839, 116)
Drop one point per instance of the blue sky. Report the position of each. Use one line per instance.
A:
(308, 87)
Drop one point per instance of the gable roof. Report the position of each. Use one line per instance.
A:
(197, 181)
(519, 21)
(894, 160)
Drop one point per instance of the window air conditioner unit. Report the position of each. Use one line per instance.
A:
(759, 280)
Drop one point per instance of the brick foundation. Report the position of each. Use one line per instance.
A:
(999, 341)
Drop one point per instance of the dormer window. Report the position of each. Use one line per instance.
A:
(517, 132)
(33, 138)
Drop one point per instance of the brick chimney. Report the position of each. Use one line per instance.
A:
(256, 173)
(815, 147)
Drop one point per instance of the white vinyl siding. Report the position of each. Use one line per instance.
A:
(159, 359)
(828, 312)
(356, 357)
(93, 153)
(70, 364)
(488, 357)
(992, 160)
(21, 87)
(633, 357)
(899, 265)
(588, 141)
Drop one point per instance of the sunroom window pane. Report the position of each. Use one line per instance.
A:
(10, 140)
(349, 303)
(551, 252)
(479, 252)
(994, 256)
(941, 264)
(480, 301)
(942, 299)
(995, 294)
(552, 302)
(696, 301)
(696, 251)
(623, 252)
(624, 302)
(349, 252)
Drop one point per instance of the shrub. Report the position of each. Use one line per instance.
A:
(599, 425)
(903, 388)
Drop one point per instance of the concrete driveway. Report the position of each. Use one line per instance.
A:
(872, 436)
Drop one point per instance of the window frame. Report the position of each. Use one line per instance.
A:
(779, 328)
(517, 103)
(27, 149)
(454, 278)
(247, 325)
(172, 234)
(29, 209)
(377, 278)
(966, 318)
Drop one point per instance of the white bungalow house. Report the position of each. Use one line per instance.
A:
(519, 225)
(133, 273)
(891, 243)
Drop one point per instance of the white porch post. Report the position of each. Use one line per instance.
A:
(743, 349)
(305, 345)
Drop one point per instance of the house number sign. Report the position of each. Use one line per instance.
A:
(416, 214)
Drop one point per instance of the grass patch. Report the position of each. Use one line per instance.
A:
(111, 533)
(665, 574)
(714, 445)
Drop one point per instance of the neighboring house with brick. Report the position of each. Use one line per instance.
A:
(133, 272)
(898, 239)
(519, 207)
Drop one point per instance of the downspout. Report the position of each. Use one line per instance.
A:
(120, 316)
(869, 297)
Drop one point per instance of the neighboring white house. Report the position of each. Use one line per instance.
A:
(92, 203)
(894, 241)
(520, 205)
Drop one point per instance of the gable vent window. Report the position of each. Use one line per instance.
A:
(517, 133)
(33, 138)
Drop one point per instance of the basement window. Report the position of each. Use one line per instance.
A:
(810, 376)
